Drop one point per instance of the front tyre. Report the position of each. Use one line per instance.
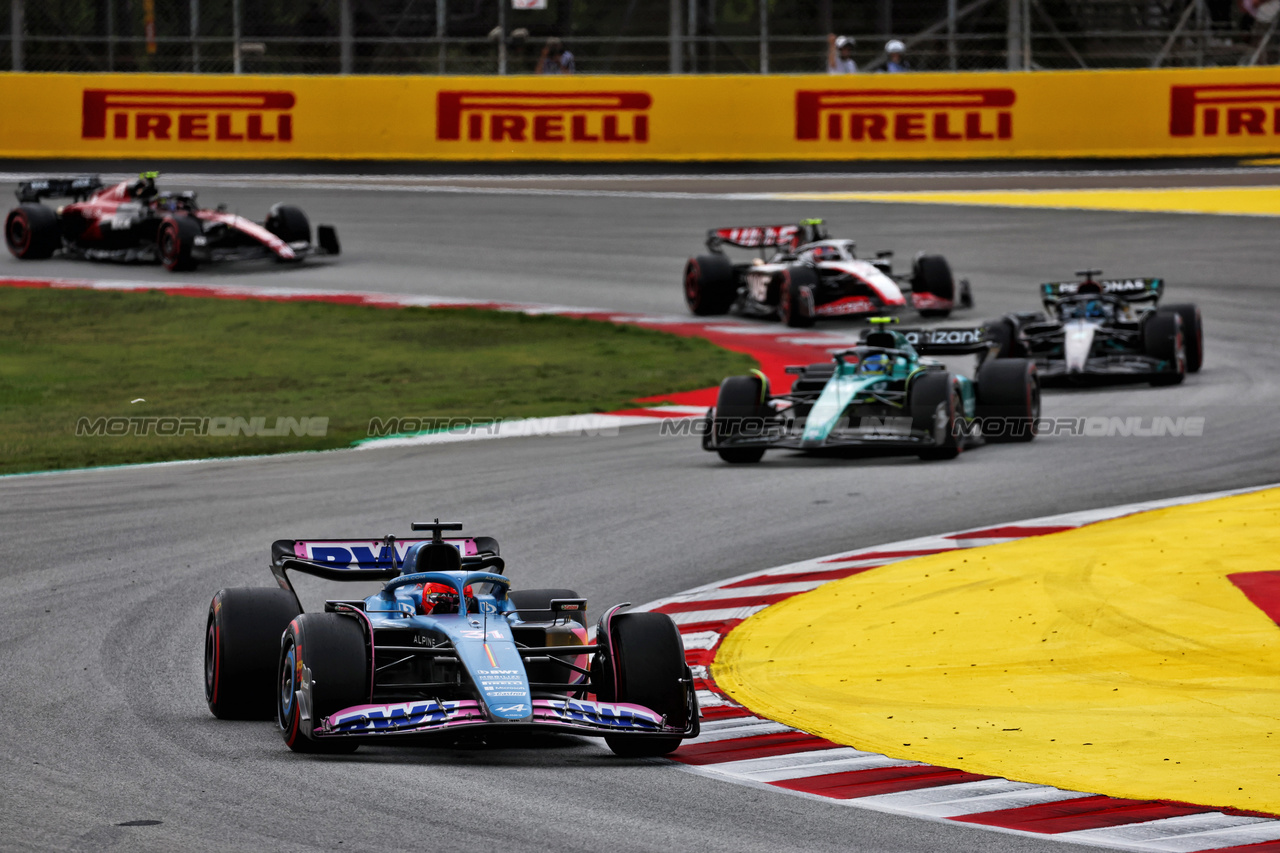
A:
(648, 657)
(1009, 399)
(325, 653)
(935, 409)
(931, 275)
(242, 637)
(289, 223)
(1162, 339)
(740, 411)
(796, 304)
(1192, 333)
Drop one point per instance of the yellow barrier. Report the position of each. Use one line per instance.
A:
(1231, 111)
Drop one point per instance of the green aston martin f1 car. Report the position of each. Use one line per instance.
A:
(883, 393)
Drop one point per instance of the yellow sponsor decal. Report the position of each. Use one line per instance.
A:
(1123, 658)
(1174, 112)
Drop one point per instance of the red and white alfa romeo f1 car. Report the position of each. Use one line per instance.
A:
(133, 222)
(808, 275)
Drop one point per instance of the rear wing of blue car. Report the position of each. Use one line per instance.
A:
(76, 189)
(369, 559)
(1128, 289)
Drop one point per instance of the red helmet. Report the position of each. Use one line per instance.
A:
(442, 596)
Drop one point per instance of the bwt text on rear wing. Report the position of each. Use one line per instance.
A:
(77, 189)
(369, 559)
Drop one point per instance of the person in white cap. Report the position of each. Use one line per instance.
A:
(840, 55)
(896, 63)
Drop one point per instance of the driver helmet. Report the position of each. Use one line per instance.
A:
(1093, 308)
(442, 596)
(826, 253)
(145, 186)
(876, 362)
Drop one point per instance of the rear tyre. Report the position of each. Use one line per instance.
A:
(709, 285)
(332, 648)
(242, 640)
(288, 223)
(535, 604)
(649, 657)
(31, 232)
(796, 306)
(935, 407)
(1162, 339)
(1192, 333)
(931, 274)
(1009, 391)
(175, 241)
(740, 411)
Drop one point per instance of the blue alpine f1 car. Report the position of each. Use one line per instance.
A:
(445, 648)
(884, 393)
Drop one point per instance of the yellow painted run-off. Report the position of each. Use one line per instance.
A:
(1115, 659)
(1239, 201)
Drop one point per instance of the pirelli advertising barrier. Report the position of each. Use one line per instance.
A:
(875, 116)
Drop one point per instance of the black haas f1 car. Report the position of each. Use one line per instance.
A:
(882, 394)
(133, 222)
(1105, 329)
(444, 650)
(809, 275)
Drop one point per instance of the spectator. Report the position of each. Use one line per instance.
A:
(840, 55)
(896, 63)
(555, 59)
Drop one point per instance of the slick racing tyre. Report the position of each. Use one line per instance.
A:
(709, 285)
(931, 274)
(175, 241)
(535, 604)
(1192, 333)
(31, 232)
(1162, 338)
(330, 649)
(795, 298)
(935, 410)
(1008, 399)
(242, 639)
(740, 410)
(649, 658)
(288, 223)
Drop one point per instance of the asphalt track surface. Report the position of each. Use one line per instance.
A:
(109, 573)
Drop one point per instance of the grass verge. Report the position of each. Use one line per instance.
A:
(68, 355)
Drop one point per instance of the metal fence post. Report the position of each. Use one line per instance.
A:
(442, 24)
(952, 57)
(1013, 36)
(111, 35)
(691, 30)
(502, 36)
(195, 34)
(764, 36)
(345, 37)
(16, 25)
(676, 46)
(235, 37)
